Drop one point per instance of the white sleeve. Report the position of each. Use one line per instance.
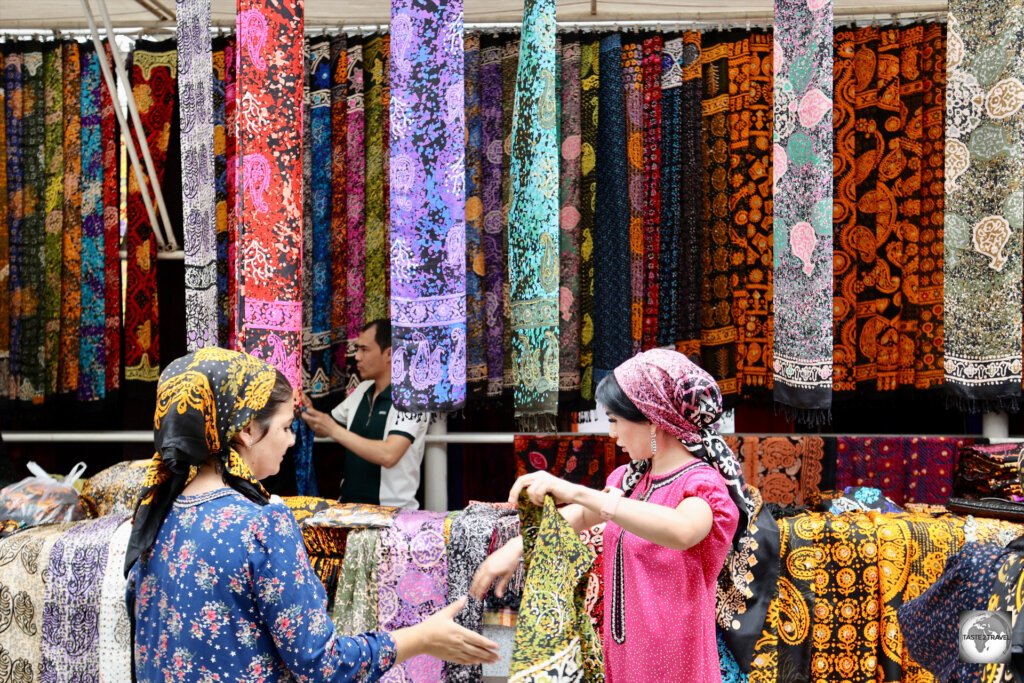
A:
(412, 425)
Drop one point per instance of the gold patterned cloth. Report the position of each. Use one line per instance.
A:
(115, 490)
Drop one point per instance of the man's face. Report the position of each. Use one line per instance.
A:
(371, 362)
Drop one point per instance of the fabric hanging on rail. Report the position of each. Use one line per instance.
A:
(71, 273)
(269, 148)
(476, 358)
(428, 239)
(339, 358)
(509, 71)
(633, 86)
(612, 283)
(53, 69)
(533, 233)
(198, 189)
(652, 51)
(5, 301)
(737, 184)
(984, 198)
(355, 188)
(112, 235)
(718, 328)
(319, 104)
(670, 171)
(689, 263)
(218, 57)
(375, 58)
(153, 76)
(802, 361)
(590, 61)
(491, 146)
(231, 187)
(307, 221)
(569, 218)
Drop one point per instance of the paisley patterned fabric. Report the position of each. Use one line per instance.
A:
(509, 74)
(355, 601)
(339, 359)
(476, 324)
(269, 147)
(375, 59)
(802, 176)
(590, 61)
(355, 190)
(490, 174)
(984, 182)
(786, 470)
(428, 221)
(533, 234)
(569, 218)
(71, 267)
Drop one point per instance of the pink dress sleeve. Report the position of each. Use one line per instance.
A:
(708, 485)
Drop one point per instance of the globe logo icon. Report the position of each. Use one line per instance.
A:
(984, 636)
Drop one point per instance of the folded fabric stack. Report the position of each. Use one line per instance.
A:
(991, 471)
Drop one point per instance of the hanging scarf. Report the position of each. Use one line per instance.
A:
(569, 219)
(533, 219)
(269, 213)
(5, 301)
(632, 81)
(355, 194)
(376, 300)
(612, 341)
(509, 71)
(320, 191)
(590, 58)
(476, 361)
(718, 328)
(428, 239)
(738, 184)
(339, 215)
(984, 215)
(111, 235)
(302, 454)
(355, 600)
(53, 205)
(670, 172)
(220, 51)
(691, 242)
(204, 399)
(198, 190)
(307, 222)
(153, 75)
(231, 58)
(652, 187)
(802, 274)
(679, 397)
(491, 178)
(71, 275)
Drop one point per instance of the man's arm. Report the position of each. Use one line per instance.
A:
(385, 453)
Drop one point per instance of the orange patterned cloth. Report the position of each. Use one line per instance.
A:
(787, 469)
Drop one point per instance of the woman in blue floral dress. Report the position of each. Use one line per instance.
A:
(220, 587)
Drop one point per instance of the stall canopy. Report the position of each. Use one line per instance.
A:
(67, 14)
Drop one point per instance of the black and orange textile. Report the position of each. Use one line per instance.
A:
(590, 61)
(115, 490)
(633, 87)
(71, 272)
(989, 470)
(586, 460)
(5, 269)
(787, 470)
(652, 63)
(153, 81)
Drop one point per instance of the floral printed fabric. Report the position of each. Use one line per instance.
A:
(787, 470)
(355, 601)
(356, 191)
(375, 56)
(590, 59)
(984, 214)
(533, 234)
(5, 303)
(490, 174)
(53, 206)
(803, 55)
(476, 356)
(586, 460)
(339, 360)
(652, 64)
(555, 640)
(71, 267)
(261, 604)
(428, 221)
(569, 217)
(115, 490)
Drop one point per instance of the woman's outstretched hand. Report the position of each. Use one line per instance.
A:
(439, 636)
(500, 565)
(539, 484)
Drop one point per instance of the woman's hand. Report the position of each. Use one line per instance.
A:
(439, 636)
(500, 565)
(539, 484)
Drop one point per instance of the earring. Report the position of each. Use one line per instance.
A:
(654, 443)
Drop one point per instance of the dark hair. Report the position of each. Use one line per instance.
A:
(281, 393)
(381, 335)
(614, 399)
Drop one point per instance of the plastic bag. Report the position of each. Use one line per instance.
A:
(42, 499)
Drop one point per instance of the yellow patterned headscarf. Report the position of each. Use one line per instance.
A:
(203, 401)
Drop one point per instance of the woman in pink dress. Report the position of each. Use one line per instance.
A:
(673, 513)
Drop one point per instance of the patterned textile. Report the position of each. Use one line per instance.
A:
(355, 515)
(302, 454)
(731, 672)
(428, 223)
(738, 181)
(476, 351)
(112, 238)
(509, 73)
(189, 428)
(115, 490)
(918, 470)
(5, 302)
(590, 60)
(306, 507)
(718, 327)
(222, 56)
(114, 628)
(784, 469)
(612, 335)
(984, 183)
(632, 81)
(652, 187)
(71, 607)
(153, 80)
(586, 460)
(339, 215)
(306, 254)
(375, 56)
(690, 260)
(505, 530)
(593, 538)
(10, 218)
(533, 231)
(569, 217)
(1008, 586)
(71, 275)
(547, 649)
(670, 156)
(269, 86)
(356, 194)
(355, 602)
(802, 273)
(490, 178)
(198, 182)
(231, 187)
(53, 205)
(412, 577)
(989, 470)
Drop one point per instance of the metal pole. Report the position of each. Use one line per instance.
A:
(435, 467)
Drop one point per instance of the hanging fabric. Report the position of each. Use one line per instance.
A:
(476, 358)
(689, 262)
(269, 149)
(802, 361)
(491, 178)
(231, 186)
(198, 189)
(632, 82)
(219, 49)
(569, 219)
(509, 71)
(375, 58)
(339, 358)
(737, 182)
(670, 171)
(71, 271)
(612, 283)
(652, 49)
(984, 217)
(307, 221)
(590, 60)
(53, 205)
(320, 191)
(5, 301)
(533, 221)
(428, 240)
(355, 189)
(111, 235)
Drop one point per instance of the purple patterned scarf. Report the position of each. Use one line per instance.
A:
(490, 178)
